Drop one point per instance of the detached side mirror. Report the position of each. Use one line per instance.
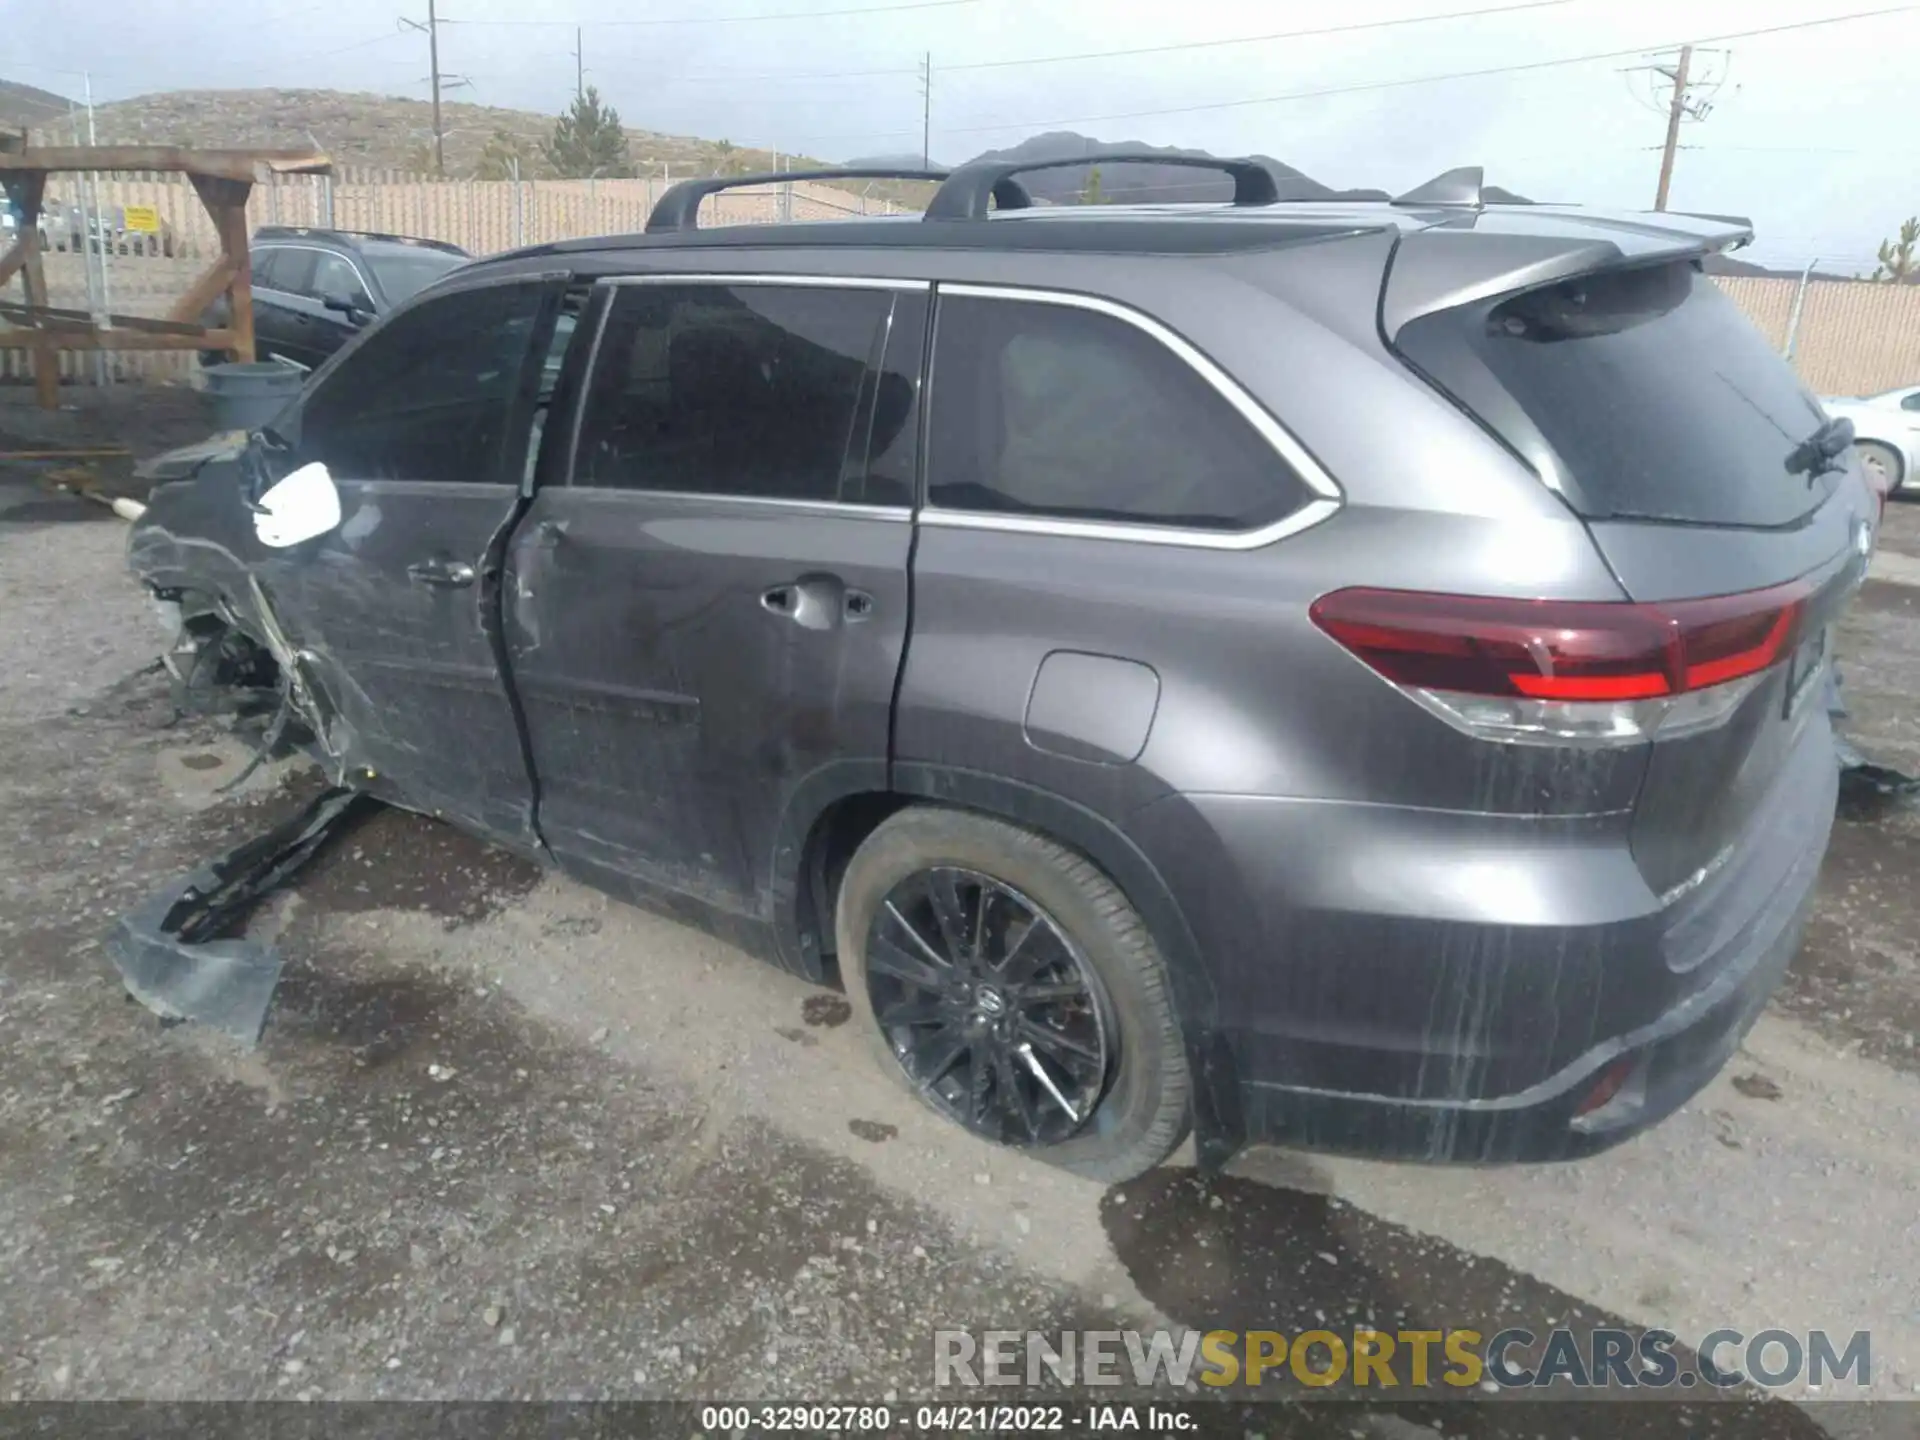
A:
(348, 306)
(298, 508)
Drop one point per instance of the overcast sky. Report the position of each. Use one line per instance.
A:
(1811, 132)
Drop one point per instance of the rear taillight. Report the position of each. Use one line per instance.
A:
(1555, 671)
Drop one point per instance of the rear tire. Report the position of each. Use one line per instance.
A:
(1885, 460)
(1078, 973)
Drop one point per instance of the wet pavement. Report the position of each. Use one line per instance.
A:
(508, 1138)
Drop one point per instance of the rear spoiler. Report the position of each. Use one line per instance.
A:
(1494, 252)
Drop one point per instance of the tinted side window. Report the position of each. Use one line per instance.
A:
(335, 275)
(1912, 402)
(754, 390)
(288, 270)
(429, 394)
(294, 272)
(1041, 409)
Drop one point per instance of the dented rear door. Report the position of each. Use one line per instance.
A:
(706, 613)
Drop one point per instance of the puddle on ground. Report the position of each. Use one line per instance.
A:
(379, 1020)
(828, 1010)
(397, 860)
(1225, 1253)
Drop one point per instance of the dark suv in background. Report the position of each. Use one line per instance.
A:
(312, 289)
(1338, 673)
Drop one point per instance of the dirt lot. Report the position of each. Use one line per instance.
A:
(507, 1138)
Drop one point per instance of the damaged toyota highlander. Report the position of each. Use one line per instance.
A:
(1340, 674)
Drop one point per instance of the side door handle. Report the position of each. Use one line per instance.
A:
(441, 571)
(816, 602)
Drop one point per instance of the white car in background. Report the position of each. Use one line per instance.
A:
(1886, 430)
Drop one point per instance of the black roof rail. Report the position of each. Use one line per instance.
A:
(295, 232)
(679, 208)
(965, 194)
(1450, 188)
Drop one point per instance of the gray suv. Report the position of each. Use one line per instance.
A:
(1337, 674)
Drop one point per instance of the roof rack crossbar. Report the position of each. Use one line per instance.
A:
(679, 208)
(1449, 188)
(966, 192)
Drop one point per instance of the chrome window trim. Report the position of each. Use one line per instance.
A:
(1307, 516)
(722, 277)
(838, 509)
(1323, 485)
(835, 508)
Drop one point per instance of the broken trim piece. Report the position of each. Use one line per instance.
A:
(164, 948)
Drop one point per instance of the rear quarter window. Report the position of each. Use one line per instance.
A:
(1659, 398)
(1055, 410)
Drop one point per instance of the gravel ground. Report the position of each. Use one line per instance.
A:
(506, 1137)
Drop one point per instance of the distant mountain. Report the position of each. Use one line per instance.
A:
(1143, 181)
(395, 132)
(893, 162)
(22, 105)
(1727, 265)
(392, 131)
(1146, 182)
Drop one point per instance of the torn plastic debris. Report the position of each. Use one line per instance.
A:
(166, 948)
(1866, 789)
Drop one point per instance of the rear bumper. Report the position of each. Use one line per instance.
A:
(1454, 988)
(1648, 1074)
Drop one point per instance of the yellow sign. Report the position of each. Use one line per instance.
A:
(143, 218)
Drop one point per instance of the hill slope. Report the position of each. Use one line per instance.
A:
(25, 105)
(359, 128)
(395, 132)
(1146, 182)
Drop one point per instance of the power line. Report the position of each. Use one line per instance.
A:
(736, 77)
(1263, 39)
(356, 45)
(735, 19)
(726, 77)
(1373, 85)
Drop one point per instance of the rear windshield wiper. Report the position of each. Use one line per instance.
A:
(1820, 452)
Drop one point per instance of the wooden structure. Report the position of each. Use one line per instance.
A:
(221, 178)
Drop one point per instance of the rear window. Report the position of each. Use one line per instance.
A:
(1660, 399)
(403, 272)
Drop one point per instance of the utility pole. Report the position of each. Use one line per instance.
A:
(1695, 75)
(926, 108)
(435, 77)
(1675, 111)
(433, 65)
(579, 65)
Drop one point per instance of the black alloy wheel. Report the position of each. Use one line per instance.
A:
(988, 1007)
